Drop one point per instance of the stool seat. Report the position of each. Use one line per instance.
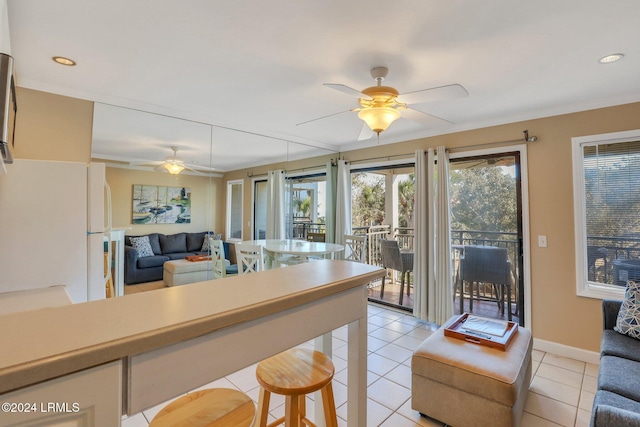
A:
(295, 373)
(215, 407)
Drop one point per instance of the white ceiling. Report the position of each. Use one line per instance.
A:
(254, 69)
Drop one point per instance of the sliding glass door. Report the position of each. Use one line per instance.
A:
(486, 211)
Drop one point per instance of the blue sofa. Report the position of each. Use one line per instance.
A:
(165, 248)
(617, 400)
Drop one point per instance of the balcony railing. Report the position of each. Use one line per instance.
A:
(302, 227)
(374, 233)
(619, 261)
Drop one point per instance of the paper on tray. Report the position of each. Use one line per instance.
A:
(488, 326)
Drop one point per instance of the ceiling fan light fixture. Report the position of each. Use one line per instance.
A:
(173, 168)
(379, 118)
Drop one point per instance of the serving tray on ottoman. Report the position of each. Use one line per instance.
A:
(458, 329)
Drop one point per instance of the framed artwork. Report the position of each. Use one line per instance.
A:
(153, 204)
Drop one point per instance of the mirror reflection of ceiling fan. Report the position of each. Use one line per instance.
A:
(382, 105)
(172, 164)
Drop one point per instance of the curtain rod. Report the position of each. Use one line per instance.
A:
(315, 167)
(311, 168)
(525, 139)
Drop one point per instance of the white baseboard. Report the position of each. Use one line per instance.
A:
(566, 351)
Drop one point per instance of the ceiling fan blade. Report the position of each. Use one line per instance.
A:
(323, 117)
(145, 162)
(426, 119)
(434, 94)
(365, 132)
(347, 90)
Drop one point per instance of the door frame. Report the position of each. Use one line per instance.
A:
(524, 188)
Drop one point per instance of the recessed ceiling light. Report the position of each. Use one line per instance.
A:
(64, 61)
(611, 58)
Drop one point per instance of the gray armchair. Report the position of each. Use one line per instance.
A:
(400, 261)
(486, 264)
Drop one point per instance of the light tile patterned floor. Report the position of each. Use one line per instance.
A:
(561, 392)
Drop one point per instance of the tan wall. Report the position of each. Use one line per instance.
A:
(558, 315)
(207, 201)
(52, 127)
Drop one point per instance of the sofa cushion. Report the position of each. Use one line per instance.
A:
(173, 243)
(628, 321)
(615, 344)
(610, 409)
(195, 241)
(152, 261)
(619, 376)
(142, 246)
(154, 239)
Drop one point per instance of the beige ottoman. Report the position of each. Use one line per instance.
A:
(181, 272)
(466, 384)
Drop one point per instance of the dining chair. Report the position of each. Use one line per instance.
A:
(488, 265)
(219, 261)
(355, 247)
(250, 258)
(400, 261)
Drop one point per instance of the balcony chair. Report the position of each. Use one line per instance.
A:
(400, 261)
(355, 247)
(316, 237)
(250, 258)
(595, 253)
(488, 265)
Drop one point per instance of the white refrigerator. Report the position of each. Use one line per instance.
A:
(52, 224)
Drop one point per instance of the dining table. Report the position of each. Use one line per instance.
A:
(276, 249)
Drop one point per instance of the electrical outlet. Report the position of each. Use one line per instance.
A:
(542, 241)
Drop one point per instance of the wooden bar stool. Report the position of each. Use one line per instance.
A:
(294, 374)
(214, 407)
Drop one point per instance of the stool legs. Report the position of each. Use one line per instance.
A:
(329, 407)
(296, 410)
(262, 415)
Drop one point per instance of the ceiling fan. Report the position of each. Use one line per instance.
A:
(382, 105)
(172, 164)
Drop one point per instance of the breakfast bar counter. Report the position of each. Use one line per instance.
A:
(154, 346)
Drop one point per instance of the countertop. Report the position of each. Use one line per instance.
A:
(50, 342)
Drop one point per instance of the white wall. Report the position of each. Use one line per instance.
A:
(43, 227)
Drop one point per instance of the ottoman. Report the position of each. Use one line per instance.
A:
(465, 384)
(181, 272)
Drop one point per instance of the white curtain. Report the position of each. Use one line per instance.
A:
(440, 283)
(421, 242)
(276, 206)
(330, 218)
(343, 203)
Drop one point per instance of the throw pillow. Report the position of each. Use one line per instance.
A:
(628, 322)
(205, 244)
(142, 245)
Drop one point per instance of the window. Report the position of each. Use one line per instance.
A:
(234, 209)
(306, 210)
(607, 212)
(259, 209)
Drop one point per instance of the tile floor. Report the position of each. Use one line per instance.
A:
(561, 393)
